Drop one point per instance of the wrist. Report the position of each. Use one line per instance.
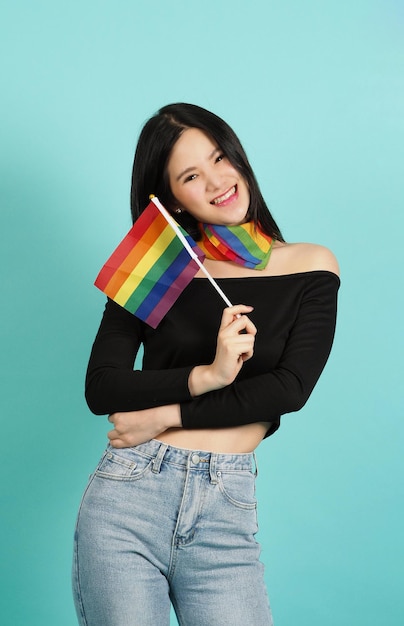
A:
(201, 380)
(171, 416)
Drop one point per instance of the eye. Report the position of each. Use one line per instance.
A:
(219, 158)
(189, 178)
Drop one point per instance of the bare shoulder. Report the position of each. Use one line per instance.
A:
(303, 257)
(315, 257)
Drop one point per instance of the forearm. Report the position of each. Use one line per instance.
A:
(110, 389)
(134, 427)
(259, 399)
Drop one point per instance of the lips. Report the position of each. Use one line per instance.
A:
(226, 196)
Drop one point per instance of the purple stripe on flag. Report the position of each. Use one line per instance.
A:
(172, 294)
(160, 287)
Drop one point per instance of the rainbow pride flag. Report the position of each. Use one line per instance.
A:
(151, 266)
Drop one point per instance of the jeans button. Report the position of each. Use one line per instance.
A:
(195, 458)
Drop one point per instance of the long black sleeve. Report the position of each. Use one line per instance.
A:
(111, 383)
(287, 386)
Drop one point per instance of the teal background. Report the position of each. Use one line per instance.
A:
(315, 90)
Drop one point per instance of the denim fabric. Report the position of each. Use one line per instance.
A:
(159, 524)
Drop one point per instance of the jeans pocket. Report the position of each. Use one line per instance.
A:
(238, 487)
(123, 464)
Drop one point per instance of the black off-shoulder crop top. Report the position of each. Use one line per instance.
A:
(295, 316)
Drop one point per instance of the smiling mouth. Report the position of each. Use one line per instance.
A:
(220, 199)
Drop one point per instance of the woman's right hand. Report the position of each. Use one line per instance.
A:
(235, 345)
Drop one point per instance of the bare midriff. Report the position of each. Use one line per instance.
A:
(237, 440)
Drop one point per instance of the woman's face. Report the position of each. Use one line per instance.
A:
(204, 183)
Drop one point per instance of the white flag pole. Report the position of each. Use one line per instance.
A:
(186, 245)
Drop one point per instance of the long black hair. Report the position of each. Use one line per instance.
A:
(156, 141)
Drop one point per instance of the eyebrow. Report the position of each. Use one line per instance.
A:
(190, 169)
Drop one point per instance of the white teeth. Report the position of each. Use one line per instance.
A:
(225, 196)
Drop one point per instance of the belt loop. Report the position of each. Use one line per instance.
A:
(212, 469)
(255, 463)
(158, 459)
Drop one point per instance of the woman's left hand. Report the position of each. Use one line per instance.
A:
(134, 427)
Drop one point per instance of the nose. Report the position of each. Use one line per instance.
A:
(214, 181)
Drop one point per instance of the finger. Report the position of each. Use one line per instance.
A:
(112, 434)
(245, 350)
(235, 346)
(245, 356)
(118, 443)
(242, 324)
(247, 325)
(232, 312)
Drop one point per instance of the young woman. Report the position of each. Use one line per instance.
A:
(169, 515)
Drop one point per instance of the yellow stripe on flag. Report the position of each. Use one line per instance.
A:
(144, 265)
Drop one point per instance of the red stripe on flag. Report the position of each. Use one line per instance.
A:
(147, 229)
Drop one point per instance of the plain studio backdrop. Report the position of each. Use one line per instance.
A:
(315, 90)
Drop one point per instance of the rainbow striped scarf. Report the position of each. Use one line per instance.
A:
(245, 244)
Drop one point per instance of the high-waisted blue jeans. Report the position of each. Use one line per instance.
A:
(160, 525)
